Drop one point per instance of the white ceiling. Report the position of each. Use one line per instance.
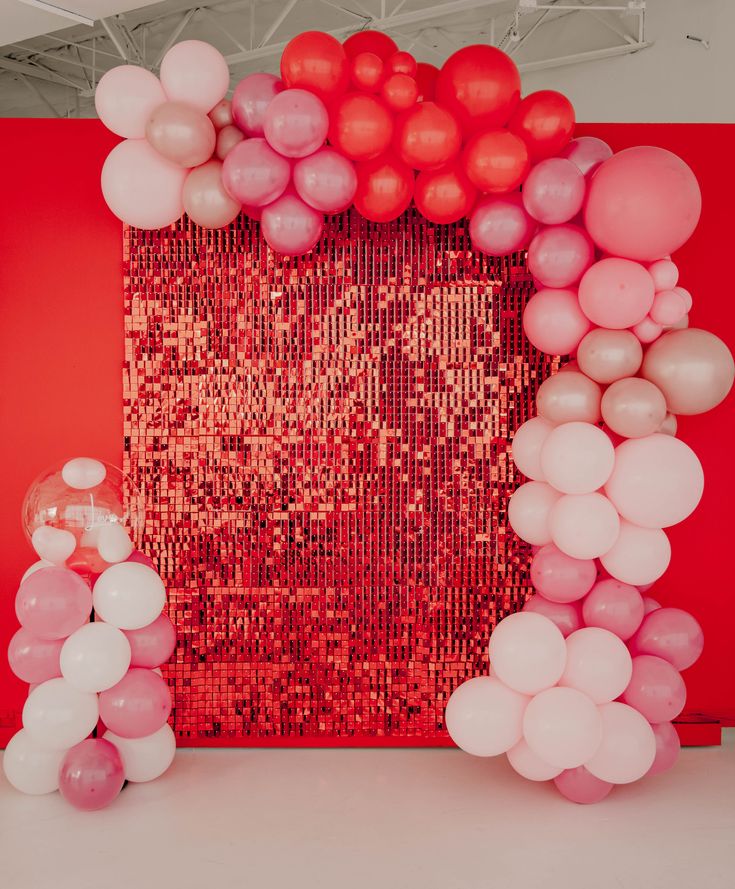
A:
(20, 21)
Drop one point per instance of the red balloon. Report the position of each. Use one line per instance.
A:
(360, 126)
(444, 195)
(427, 136)
(315, 61)
(366, 71)
(545, 122)
(399, 92)
(426, 76)
(370, 41)
(496, 161)
(402, 63)
(384, 188)
(481, 85)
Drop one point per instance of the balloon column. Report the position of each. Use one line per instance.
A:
(97, 710)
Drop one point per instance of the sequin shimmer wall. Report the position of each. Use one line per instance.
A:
(323, 443)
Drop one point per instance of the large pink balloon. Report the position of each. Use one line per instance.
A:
(562, 727)
(32, 659)
(577, 458)
(671, 634)
(291, 226)
(656, 689)
(614, 606)
(559, 255)
(639, 555)
(616, 293)
(253, 173)
(125, 98)
(326, 180)
(527, 652)
(598, 664)
(554, 322)
(528, 441)
(528, 512)
(53, 602)
(205, 198)
(91, 775)
(667, 748)
(609, 355)
(196, 73)
(141, 187)
(643, 203)
(499, 224)
(296, 123)
(587, 152)
(584, 526)
(251, 99)
(568, 398)
(528, 765)
(561, 578)
(152, 645)
(485, 717)
(554, 191)
(137, 706)
(657, 481)
(567, 616)
(181, 134)
(633, 408)
(628, 746)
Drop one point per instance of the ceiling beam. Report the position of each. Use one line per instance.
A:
(581, 57)
(40, 73)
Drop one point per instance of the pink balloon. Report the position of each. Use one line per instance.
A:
(561, 578)
(554, 191)
(142, 559)
(485, 717)
(554, 322)
(141, 187)
(608, 355)
(667, 748)
(559, 255)
(647, 330)
(528, 765)
(562, 726)
(639, 555)
(205, 199)
(251, 99)
(53, 602)
(656, 689)
(587, 152)
(181, 134)
(196, 73)
(527, 653)
(643, 203)
(125, 98)
(686, 296)
(295, 123)
(671, 634)
(577, 458)
(657, 481)
(499, 224)
(649, 604)
(579, 786)
(137, 706)
(566, 615)
(528, 512)
(633, 408)
(326, 180)
(628, 746)
(227, 139)
(598, 664)
(34, 660)
(153, 645)
(253, 173)
(91, 774)
(568, 398)
(669, 307)
(665, 274)
(614, 606)
(584, 526)
(290, 226)
(221, 114)
(528, 441)
(616, 293)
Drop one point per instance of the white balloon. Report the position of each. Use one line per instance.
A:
(529, 765)
(95, 657)
(29, 768)
(528, 512)
(598, 664)
(53, 545)
(57, 716)
(528, 441)
(129, 595)
(527, 652)
(145, 758)
(113, 543)
(485, 717)
(83, 473)
(36, 566)
(628, 746)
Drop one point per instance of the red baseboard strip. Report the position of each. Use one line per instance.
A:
(699, 734)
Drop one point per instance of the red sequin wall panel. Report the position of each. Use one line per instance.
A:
(323, 446)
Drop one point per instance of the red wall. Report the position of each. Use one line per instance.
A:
(61, 353)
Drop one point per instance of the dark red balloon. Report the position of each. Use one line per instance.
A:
(496, 161)
(317, 62)
(360, 126)
(366, 72)
(426, 76)
(444, 195)
(427, 136)
(481, 85)
(545, 122)
(370, 41)
(401, 63)
(384, 188)
(399, 92)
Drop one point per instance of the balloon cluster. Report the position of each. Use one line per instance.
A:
(89, 677)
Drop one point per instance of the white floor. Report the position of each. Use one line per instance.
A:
(376, 819)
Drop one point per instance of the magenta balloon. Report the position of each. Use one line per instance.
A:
(614, 606)
(632, 407)
(137, 706)
(643, 203)
(253, 173)
(559, 577)
(326, 180)
(142, 559)
(296, 123)
(153, 645)
(579, 786)
(227, 138)
(656, 689)
(566, 615)
(499, 224)
(196, 73)
(205, 198)
(587, 153)
(667, 748)
(125, 98)
(91, 774)
(53, 602)
(554, 322)
(251, 99)
(32, 659)
(671, 634)
(616, 293)
(559, 255)
(290, 226)
(569, 397)
(181, 134)
(554, 191)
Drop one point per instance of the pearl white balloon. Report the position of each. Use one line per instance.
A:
(57, 716)
(36, 566)
(145, 759)
(29, 768)
(129, 595)
(114, 543)
(83, 473)
(53, 545)
(95, 657)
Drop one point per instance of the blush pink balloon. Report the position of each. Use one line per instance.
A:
(326, 180)
(561, 578)
(528, 441)
(559, 255)
(609, 355)
(91, 775)
(499, 224)
(614, 606)
(251, 99)
(656, 689)
(567, 616)
(227, 139)
(639, 555)
(53, 602)
(587, 153)
(579, 786)
(290, 226)
(671, 634)
(181, 134)
(253, 173)
(643, 203)
(153, 645)
(577, 458)
(125, 98)
(647, 330)
(598, 664)
(649, 604)
(485, 717)
(668, 746)
(527, 652)
(554, 191)
(142, 559)
(554, 322)
(584, 526)
(568, 398)
(668, 308)
(665, 274)
(628, 746)
(295, 123)
(34, 660)
(221, 114)
(196, 73)
(528, 512)
(528, 765)
(137, 706)
(616, 293)
(205, 199)
(633, 408)
(562, 726)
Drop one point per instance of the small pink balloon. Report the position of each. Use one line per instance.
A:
(633, 408)
(598, 664)
(326, 180)
(616, 293)
(153, 645)
(196, 73)
(639, 555)
(527, 653)
(142, 559)
(559, 255)
(609, 355)
(528, 511)
(566, 615)
(227, 139)
(668, 746)
(577, 458)
(205, 199)
(569, 398)
(584, 526)
(579, 786)
(251, 99)
(668, 307)
(561, 578)
(665, 274)
(656, 689)
(499, 224)
(614, 606)
(53, 602)
(587, 152)
(647, 330)
(125, 98)
(290, 226)
(649, 604)
(554, 322)
(253, 173)
(628, 746)
(181, 134)
(554, 191)
(137, 706)
(686, 296)
(528, 441)
(295, 123)
(562, 726)
(221, 114)
(34, 660)
(91, 774)
(671, 634)
(528, 765)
